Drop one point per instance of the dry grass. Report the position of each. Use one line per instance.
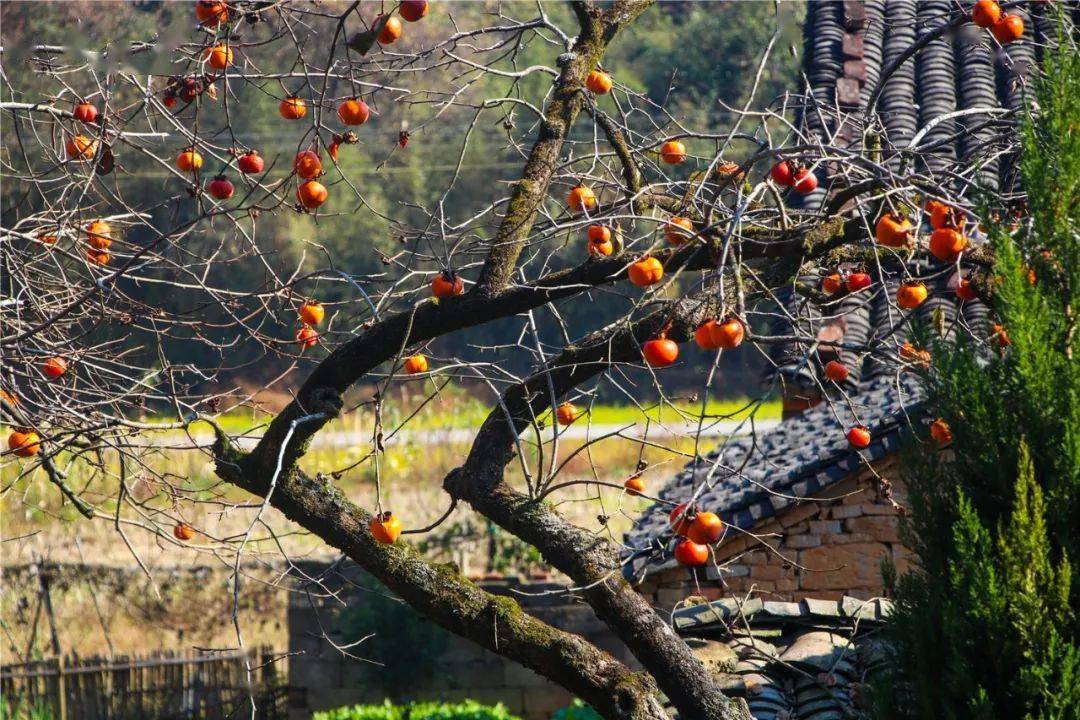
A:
(407, 478)
(118, 611)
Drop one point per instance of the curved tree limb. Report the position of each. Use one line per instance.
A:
(441, 593)
(352, 360)
(591, 561)
(597, 30)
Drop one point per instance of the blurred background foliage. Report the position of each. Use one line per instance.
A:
(396, 186)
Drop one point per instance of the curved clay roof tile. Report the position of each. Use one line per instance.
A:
(896, 106)
(976, 87)
(873, 40)
(936, 89)
(855, 310)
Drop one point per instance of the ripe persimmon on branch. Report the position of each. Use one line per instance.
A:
(157, 252)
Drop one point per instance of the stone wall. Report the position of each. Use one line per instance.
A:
(822, 550)
(323, 677)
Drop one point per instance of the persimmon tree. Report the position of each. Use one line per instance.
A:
(105, 282)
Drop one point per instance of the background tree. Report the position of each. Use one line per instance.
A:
(986, 627)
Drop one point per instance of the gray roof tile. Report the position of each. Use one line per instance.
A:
(810, 667)
(797, 459)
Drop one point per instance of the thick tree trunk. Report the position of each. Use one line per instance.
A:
(591, 562)
(441, 593)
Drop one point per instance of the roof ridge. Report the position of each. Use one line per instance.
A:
(849, 612)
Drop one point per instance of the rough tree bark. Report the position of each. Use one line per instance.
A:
(569, 548)
(441, 593)
(591, 561)
(574, 551)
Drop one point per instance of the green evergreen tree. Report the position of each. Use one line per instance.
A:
(986, 625)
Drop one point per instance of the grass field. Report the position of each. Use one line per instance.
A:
(459, 411)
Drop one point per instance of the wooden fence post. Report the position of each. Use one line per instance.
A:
(61, 688)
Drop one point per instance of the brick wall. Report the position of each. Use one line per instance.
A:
(322, 677)
(822, 550)
(836, 546)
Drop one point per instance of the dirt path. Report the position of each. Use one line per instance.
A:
(465, 435)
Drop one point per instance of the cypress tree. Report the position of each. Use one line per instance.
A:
(985, 625)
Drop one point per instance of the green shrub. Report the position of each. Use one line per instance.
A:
(577, 710)
(467, 710)
(386, 711)
(22, 711)
(985, 627)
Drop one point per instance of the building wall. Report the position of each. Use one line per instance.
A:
(822, 549)
(322, 677)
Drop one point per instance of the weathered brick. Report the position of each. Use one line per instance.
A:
(747, 543)
(866, 593)
(711, 592)
(848, 91)
(771, 526)
(770, 572)
(858, 497)
(817, 595)
(846, 537)
(878, 508)
(855, 69)
(824, 527)
(841, 512)
(757, 557)
(848, 130)
(798, 514)
(735, 570)
(839, 567)
(852, 45)
(667, 598)
(739, 585)
(886, 529)
(784, 586)
(802, 541)
(854, 14)
(734, 546)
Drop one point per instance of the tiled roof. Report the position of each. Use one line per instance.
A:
(745, 480)
(848, 44)
(868, 320)
(808, 660)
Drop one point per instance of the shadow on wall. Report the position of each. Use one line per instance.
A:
(402, 656)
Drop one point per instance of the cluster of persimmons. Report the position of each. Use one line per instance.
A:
(307, 166)
(696, 529)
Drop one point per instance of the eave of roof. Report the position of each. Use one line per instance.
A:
(748, 480)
